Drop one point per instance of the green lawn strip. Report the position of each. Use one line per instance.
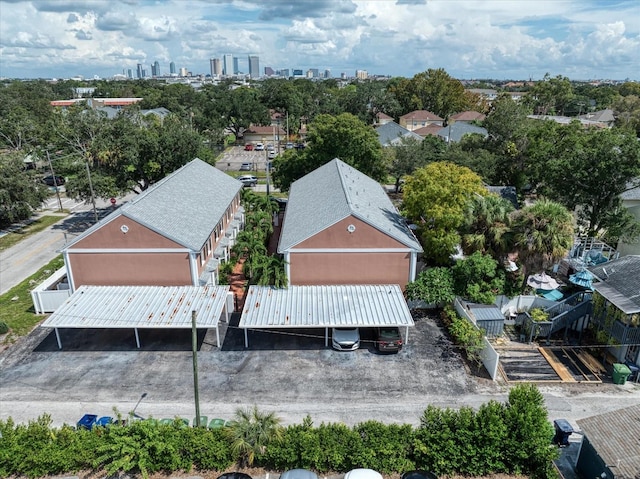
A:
(16, 306)
(32, 228)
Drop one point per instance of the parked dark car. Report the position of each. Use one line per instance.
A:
(418, 475)
(50, 181)
(388, 339)
(234, 475)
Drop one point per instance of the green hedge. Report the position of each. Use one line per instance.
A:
(510, 438)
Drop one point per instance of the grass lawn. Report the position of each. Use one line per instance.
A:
(32, 228)
(16, 307)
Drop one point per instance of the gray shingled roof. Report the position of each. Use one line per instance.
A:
(620, 282)
(390, 133)
(615, 435)
(457, 130)
(185, 206)
(633, 191)
(336, 191)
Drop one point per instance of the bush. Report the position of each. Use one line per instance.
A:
(433, 286)
(3, 327)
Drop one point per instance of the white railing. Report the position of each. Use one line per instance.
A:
(51, 293)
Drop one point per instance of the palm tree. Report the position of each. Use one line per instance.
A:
(543, 234)
(251, 432)
(486, 227)
(271, 271)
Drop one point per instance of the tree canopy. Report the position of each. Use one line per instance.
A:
(344, 137)
(435, 198)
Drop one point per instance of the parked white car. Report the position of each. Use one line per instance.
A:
(259, 147)
(345, 339)
(362, 474)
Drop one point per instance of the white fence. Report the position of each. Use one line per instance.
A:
(51, 293)
(489, 356)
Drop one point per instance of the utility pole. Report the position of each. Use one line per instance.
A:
(194, 348)
(55, 181)
(93, 197)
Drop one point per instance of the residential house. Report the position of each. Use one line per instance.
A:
(431, 130)
(382, 119)
(264, 134)
(616, 306)
(565, 120)
(602, 116)
(173, 234)
(391, 134)
(467, 117)
(354, 235)
(610, 447)
(631, 201)
(418, 119)
(488, 94)
(454, 132)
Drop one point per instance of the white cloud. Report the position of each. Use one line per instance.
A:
(502, 39)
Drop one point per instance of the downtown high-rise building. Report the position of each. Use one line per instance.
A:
(215, 66)
(254, 66)
(155, 69)
(139, 70)
(227, 64)
(236, 65)
(172, 68)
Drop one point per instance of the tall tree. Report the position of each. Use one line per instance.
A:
(344, 137)
(435, 198)
(20, 193)
(438, 92)
(551, 95)
(486, 226)
(602, 162)
(543, 234)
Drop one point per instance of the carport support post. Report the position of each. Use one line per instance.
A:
(135, 330)
(406, 335)
(194, 347)
(58, 338)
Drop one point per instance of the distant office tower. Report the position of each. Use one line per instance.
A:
(184, 72)
(139, 70)
(254, 66)
(343, 75)
(215, 67)
(361, 74)
(227, 64)
(284, 73)
(155, 71)
(129, 73)
(268, 71)
(144, 73)
(313, 73)
(327, 73)
(297, 73)
(172, 68)
(236, 66)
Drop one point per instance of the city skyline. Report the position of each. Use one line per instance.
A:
(469, 39)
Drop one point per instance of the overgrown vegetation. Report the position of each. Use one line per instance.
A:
(464, 334)
(510, 438)
(16, 306)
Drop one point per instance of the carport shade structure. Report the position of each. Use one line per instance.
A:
(142, 307)
(335, 306)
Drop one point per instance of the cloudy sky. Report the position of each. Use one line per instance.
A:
(504, 39)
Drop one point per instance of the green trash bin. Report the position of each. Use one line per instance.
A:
(620, 373)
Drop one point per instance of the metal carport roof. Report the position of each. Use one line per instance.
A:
(141, 307)
(267, 307)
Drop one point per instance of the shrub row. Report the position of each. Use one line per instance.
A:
(511, 438)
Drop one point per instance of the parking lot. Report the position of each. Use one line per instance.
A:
(291, 372)
(234, 157)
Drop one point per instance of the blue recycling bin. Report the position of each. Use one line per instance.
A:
(87, 421)
(563, 431)
(104, 421)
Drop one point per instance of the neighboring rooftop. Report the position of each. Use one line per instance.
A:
(391, 133)
(311, 209)
(185, 206)
(455, 131)
(468, 116)
(620, 282)
(419, 115)
(615, 435)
